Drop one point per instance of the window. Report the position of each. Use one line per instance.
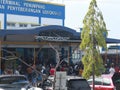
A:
(66, 54)
(106, 81)
(10, 24)
(78, 84)
(34, 25)
(77, 55)
(11, 79)
(23, 25)
(98, 81)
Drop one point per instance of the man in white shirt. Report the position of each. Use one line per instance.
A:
(112, 70)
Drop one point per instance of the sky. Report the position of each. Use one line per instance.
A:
(75, 10)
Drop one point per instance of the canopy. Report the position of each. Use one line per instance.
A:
(55, 30)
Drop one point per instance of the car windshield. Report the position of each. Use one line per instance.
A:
(13, 82)
(106, 81)
(78, 84)
(100, 81)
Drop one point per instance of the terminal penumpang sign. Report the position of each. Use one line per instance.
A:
(32, 8)
(51, 38)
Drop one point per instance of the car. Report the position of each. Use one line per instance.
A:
(35, 88)
(15, 82)
(106, 82)
(77, 83)
(72, 83)
(47, 85)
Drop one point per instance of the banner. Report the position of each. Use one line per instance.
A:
(32, 8)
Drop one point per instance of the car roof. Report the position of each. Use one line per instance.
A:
(102, 76)
(73, 77)
(11, 75)
(107, 75)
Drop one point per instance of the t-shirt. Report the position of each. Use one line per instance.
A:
(116, 69)
(112, 70)
(52, 71)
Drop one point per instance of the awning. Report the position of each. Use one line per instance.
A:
(112, 41)
(50, 30)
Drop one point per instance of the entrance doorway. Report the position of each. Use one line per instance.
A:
(47, 56)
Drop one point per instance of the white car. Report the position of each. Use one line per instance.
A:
(15, 82)
(77, 83)
(72, 83)
(47, 85)
(35, 88)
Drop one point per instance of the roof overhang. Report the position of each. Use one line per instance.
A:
(30, 33)
(112, 41)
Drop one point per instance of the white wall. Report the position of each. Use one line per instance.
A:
(18, 19)
(22, 19)
(51, 21)
(2, 21)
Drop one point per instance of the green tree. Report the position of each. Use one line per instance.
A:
(93, 37)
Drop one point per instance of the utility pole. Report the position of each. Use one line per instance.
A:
(0, 55)
(93, 77)
(34, 56)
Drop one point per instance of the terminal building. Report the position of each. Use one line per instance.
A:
(112, 55)
(34, 31)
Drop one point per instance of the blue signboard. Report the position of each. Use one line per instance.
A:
(28, 8)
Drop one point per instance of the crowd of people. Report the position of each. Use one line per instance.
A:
(112, 69)
(37, 73)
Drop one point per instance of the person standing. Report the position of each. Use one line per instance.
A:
(52, 71)
(29, 72)
(112, 69)
(117, 69)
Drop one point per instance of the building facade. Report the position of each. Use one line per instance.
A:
(28, 28)
(33, 31)
(41, 45)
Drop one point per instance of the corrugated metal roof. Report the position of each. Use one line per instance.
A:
(37, 30)
(112, 40)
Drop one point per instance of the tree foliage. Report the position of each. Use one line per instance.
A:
(93, 37)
